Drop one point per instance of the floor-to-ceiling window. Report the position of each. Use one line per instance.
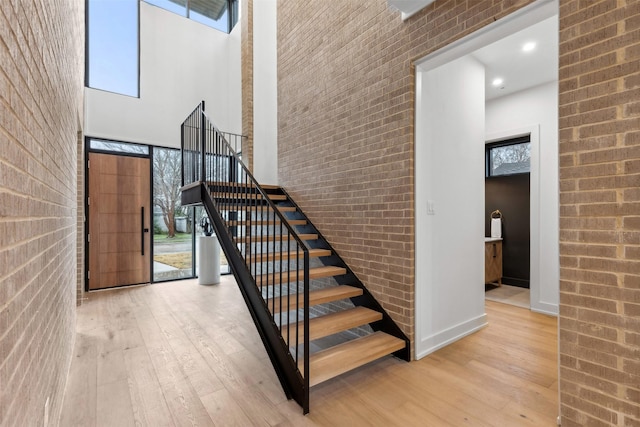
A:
(173, 224)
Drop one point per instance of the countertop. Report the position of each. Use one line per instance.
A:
(492, 239)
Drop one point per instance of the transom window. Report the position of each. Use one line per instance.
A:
(508, 157)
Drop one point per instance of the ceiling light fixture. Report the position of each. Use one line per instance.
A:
(529, 46)
(497, 81)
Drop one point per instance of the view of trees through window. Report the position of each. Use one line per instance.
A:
(173, 224)
(509, 157)
(166, 187)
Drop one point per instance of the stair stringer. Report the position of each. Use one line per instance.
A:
(367, 299)
(276, 347)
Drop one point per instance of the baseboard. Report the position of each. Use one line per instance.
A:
(448, 336)
(545, 308)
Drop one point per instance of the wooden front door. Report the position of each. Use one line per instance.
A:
(119, 212)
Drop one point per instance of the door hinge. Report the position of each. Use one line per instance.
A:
(88, 274)
(88, 238)
(88, 200)
(88, 164)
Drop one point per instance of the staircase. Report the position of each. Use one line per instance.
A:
(315, 317)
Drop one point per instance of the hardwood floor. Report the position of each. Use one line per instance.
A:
(181, 354)
(507, 294)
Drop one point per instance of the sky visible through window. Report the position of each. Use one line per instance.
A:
(113, 46)
(112, 38)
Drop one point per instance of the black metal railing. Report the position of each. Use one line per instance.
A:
(267, 256)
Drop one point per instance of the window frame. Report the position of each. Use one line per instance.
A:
(517, 140)
(233, 14)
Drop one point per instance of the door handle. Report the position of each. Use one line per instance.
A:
(144, 230)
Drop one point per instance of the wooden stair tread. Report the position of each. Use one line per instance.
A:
(330, 324)
(243, 208)
(329, 363)
(314, 273)
(265, 223)
(241, 185)
(278, 256)
(247, 196)
(277, 238)
(321, 296)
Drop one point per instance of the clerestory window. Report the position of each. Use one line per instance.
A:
(219, 14)
(112, 46)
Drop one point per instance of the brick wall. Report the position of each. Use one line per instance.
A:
(346, 154)
(246, 27)
(600, 213)
(345, 126)
(80, 273)
(41, 63)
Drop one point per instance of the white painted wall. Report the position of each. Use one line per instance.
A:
(265, 91)
(536, 108)
(181, 63)
(450, 172)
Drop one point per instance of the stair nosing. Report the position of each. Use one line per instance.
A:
(357, 316)
(278, 256)
(248, 196)
(389, 344)
(314, 273)
(276, 237)
(342, 292)
(241, 185)
(267, 223)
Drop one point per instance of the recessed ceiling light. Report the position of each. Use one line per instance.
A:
(497, 81)
(529, 46)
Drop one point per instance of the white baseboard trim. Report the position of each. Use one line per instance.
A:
(545, 308)
(441, 339)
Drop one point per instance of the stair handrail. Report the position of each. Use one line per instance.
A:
(196, 172)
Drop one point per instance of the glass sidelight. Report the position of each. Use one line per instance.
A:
(173, 227)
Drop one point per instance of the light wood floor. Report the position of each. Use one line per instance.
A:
(180, 354)
(507, 294)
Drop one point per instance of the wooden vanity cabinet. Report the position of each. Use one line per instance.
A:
(493, 262)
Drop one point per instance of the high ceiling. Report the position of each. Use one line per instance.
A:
(519, 70)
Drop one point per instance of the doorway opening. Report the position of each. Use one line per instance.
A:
(459, 110)
(507, 210)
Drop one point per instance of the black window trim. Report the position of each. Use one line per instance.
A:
(515, 140)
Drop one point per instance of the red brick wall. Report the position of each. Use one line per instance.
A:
(345, 126)
(600, 213)
(41, 79)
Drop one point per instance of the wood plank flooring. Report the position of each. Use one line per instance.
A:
(181, 354)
